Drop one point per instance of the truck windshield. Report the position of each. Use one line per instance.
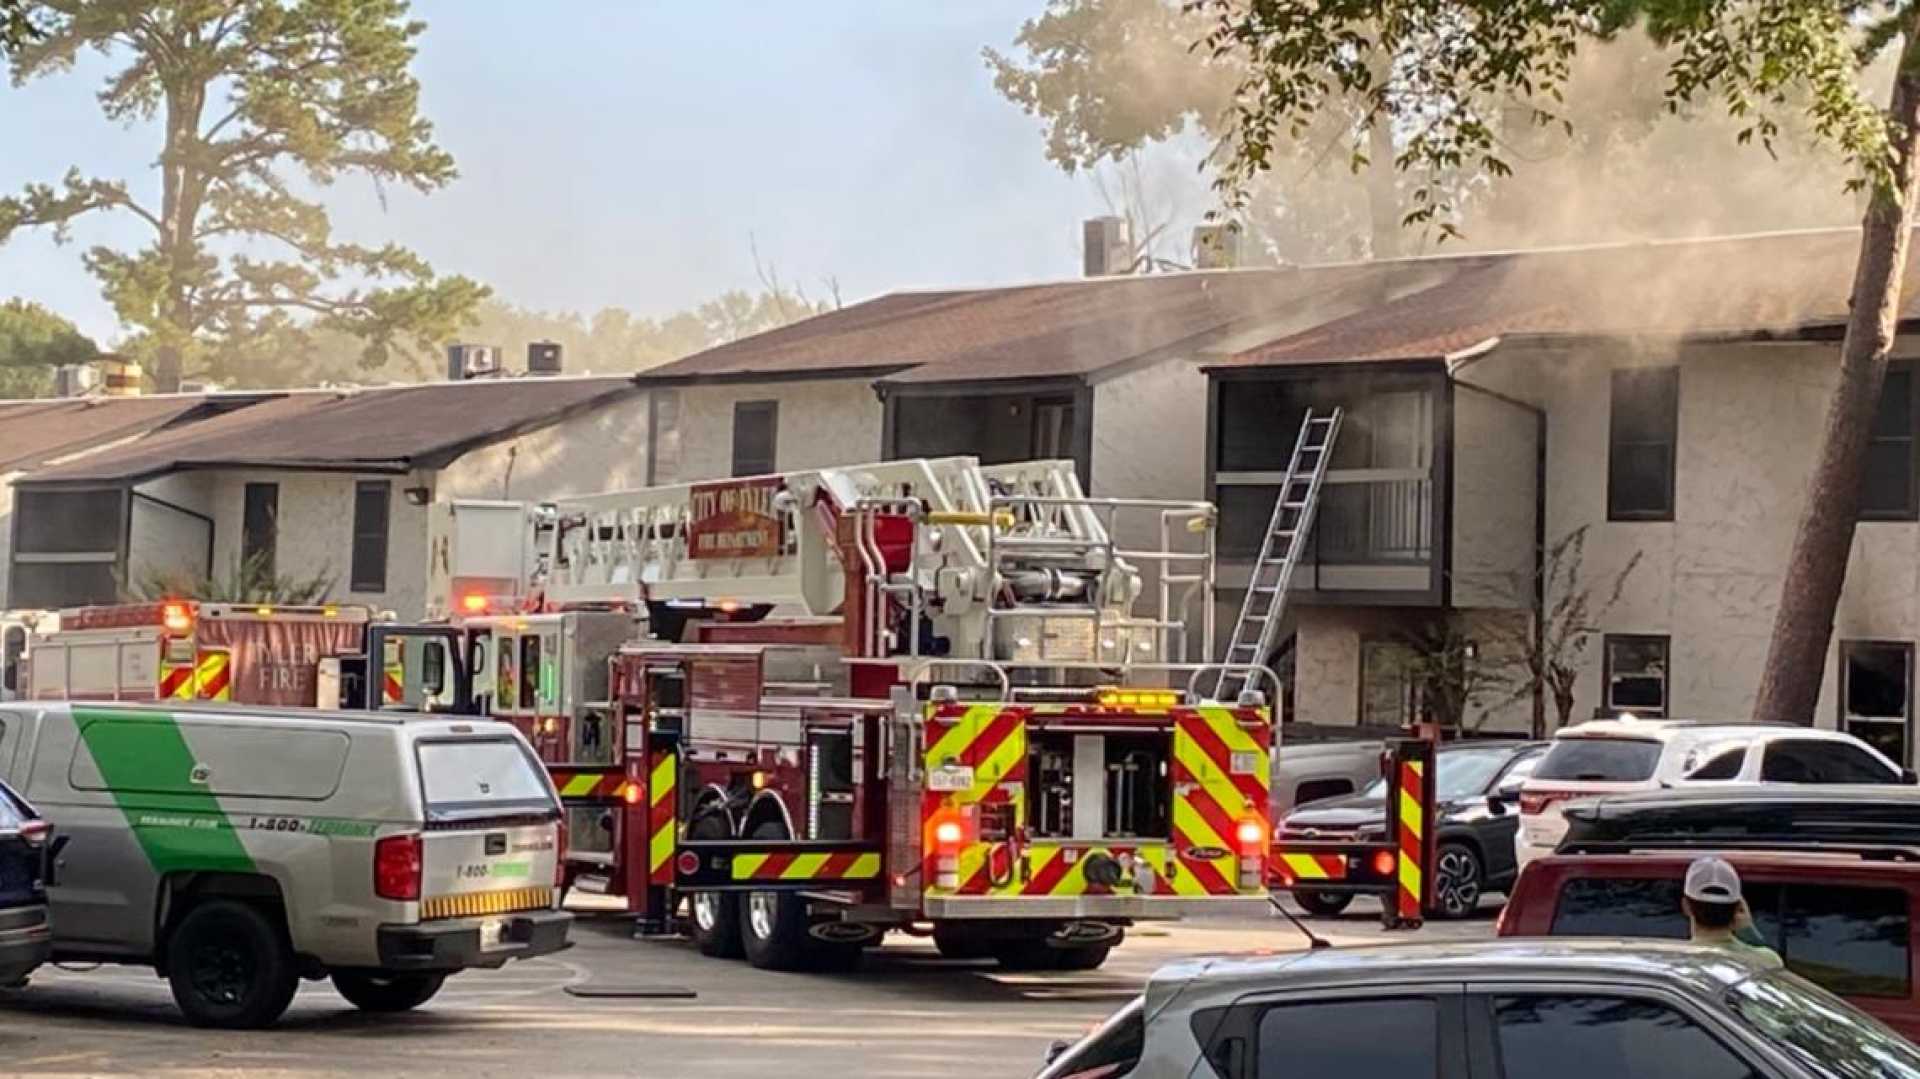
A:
(487, 776)
(1825, 1034)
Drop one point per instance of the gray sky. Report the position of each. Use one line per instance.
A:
(621, 154)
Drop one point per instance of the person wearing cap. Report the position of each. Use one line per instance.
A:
(1718, 913)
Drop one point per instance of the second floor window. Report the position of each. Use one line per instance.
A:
(756, 428)
(1640, 444)
(1887, 493)
(1636, 674)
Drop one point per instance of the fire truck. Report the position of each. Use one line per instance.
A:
(795, 712)
(225, 651)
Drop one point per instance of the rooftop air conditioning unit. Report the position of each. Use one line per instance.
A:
(471, 361)
(543, 358)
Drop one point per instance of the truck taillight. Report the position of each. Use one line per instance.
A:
(949, 834)
(1251, 837)
(396, 867)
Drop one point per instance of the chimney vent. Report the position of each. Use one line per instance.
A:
(543, 358)
(1108, 246)
(119, 376)
(471, 361)
(1216, 247)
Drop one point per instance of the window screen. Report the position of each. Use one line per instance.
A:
(1636, 674)
(1640, 445)
(259, 531)
(755, 434)
(1887, 492)
(370, 508)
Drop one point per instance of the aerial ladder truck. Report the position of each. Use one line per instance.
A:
(792, 713)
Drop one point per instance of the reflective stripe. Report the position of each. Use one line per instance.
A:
(579, 786)
(661, 818)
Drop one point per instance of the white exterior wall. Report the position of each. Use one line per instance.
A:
(6, 534)
(1495, 471)
(604, 449)
(821, 423)
(163, 541)
(1750, 421)
(1150, 433)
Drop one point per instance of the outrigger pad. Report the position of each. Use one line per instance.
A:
(647, 992)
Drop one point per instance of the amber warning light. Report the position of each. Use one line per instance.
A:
(176, 618)
(473, 603)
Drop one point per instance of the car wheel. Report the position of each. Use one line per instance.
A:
(230, 967)
(1321, 904)
(773, 925)
(714, 916)
(379, 991)
(1458, 880)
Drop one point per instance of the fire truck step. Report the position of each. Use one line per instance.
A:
(591, 883)
(644, 992)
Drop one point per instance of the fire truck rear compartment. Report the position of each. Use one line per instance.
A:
(1102, 785)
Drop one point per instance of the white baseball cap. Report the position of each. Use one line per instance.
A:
(1712, 880)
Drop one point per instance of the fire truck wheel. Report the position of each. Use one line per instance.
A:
(1087, 958)
(714, 916)
(773, 925)
(1321, 904)
(957, 942)
(230, 967)
(379, 991)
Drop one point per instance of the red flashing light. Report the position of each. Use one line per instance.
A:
(948, 833)
(1251, 834)
(631, 793)
(473, 603)
(1383, 863)
(176, 618)
(35, 833)
(396, 867)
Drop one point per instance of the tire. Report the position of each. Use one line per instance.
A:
(230, 966)
(1321, 904)
(773, 925)
(1088, 958)
(958, 943)
(380, 991)
(1026, 955)
(1459, 879)
(714, 917)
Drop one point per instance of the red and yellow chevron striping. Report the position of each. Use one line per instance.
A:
(1412, 838)
(822, 867)
(597, 784)
(660, 818)
(209, 678)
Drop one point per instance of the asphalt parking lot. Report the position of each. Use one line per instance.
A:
(907, 1013)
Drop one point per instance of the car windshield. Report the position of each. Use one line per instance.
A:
(1600, 760)
(1461, 773)
(1828, 1036)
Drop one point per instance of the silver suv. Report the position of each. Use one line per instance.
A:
(237, 850)
(1505, 1010)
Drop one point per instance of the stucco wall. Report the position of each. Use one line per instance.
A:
(1750, 419)
(604, 449)
(164, 537)
(1495, 464)
(6, 534)
(821, 423)
(1150, 433)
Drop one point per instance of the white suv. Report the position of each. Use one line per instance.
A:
(1607, 756)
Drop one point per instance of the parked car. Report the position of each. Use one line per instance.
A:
(236, 850)
(1614, 755)
(1477, 788)
(1313, 771)
(1837, 896)
(1499, 1010)
(25, 844)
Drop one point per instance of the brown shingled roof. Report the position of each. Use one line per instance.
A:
(1065, 328)
(37, 431)
(1783, 283)
(385, 429)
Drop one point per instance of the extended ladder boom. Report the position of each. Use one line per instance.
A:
(1255, 630)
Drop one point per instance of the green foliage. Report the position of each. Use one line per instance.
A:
(16, 28)
(34, 341)
(244, 580)
(249, 96)
(1438, 71)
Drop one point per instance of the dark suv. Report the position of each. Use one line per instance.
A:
(25, 858)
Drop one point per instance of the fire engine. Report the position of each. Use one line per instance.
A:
(795, 712)
(185, 650)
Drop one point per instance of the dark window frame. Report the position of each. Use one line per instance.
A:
(1628, 387)
(260, 523)
(744, 465)
(1608, 706)
(368, 572)
(1910, 509)
(1847, 721)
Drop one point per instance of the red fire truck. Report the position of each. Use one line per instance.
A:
(799, 711)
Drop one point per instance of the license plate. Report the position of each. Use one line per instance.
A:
(1244, 764)
(953, 777)
(493, 934)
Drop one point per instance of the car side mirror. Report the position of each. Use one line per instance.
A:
(1060, 1045)
(1497, 803)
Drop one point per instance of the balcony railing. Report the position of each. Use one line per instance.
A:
(1373, 516)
